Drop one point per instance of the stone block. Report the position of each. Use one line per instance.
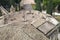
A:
(38, 22)
(46, 27)
(34, 33)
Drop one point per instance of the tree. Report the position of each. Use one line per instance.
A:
(17, 1)
(4, 3)
(50, 7)
(12, 2)
(38, 5)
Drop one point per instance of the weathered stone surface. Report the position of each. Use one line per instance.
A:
(18, 31)
(13, 32)
(46, 27)
(20, 35)
(53, 20)
(29, 15)
(12, 9)
(38, 22)
(21, 28)
(1, 20)
(23, 2)
(33, 32)
(49, 18)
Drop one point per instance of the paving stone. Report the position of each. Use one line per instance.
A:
(38, 22)
(46, 27)
(53, 20)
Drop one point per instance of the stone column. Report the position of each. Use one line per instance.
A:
(26, 4)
